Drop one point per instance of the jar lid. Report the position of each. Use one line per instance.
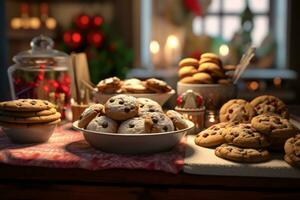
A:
(41, 52)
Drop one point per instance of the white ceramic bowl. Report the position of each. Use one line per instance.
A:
(160, 98)
(34, 134)
(214, 95)
(134, 143)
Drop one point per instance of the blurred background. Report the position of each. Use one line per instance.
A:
(143, 38)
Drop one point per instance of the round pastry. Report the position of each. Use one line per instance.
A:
(212, 136)
(237, 154)
(237, 110)
(89, 113)
(203, 77)
(245, 136)
(157, 85)
(189, 62)
(135, 125)
(31, 120)
(148, 106)
(103, 124)
(225, 81)
(204, 60)
(209, 56)
(269, 104)
(134, 86)
(109, 85)
(50, 111)
(158, 122)
(189, 80)
(209, 67)
(121, 107)
(178, 120)
(292, 151)
(229, 67)
(30, 105)
(186, 71)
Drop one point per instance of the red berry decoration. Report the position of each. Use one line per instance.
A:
(179, 100)
(95, 38)
(97, 21)
(83, 21)
(199, 101)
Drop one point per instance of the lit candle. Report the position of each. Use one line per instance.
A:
(171, 50)
(155, 52)
(211, 119)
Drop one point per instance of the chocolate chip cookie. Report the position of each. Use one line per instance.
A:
(90, 113)
(245, 136)
(292, 151)
(158, 122)
(135, 125)
(212, 136)
(121, 107)
(237, 110)
(237, 154)
(26, 105)
(50, 111)
(103, 124)
(31, 120)
(269, 104)
(148, 106)
(178, 120)
(110, 85)
(158, 86)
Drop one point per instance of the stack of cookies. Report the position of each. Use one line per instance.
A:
(245, 136)
(127, 114)
(114, 85)
(208, 70)
(292, 151)
(24, 113)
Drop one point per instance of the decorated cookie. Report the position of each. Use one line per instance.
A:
(135, 125)
(178, 120)
(148, 106)
(90, 113)
(109, 85)
(121, 107)
(103, 124)
(270, 104)
(212, 136)
(247, 155)
(189, 62)
(158, 85)
(237, 110)
(26, 105)
(158, 122)
(245, 136)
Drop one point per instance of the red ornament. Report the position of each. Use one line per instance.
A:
(68, 37)
(193, 6)
(83, 21)
(72, 39)
(179, 100)
(199, 101)
(95, 38)
(97, 21)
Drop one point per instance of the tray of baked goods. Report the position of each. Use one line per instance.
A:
(254, 138)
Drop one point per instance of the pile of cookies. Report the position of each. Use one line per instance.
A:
(249, 130)
(125, 114)
(114, 85)
(208, 70)
(25, 113)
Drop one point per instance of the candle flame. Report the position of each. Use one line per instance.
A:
(154, 47)
(172, 41)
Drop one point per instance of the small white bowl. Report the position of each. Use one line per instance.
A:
(214, 95)
(134, 143)
(160, 98)
(33, 134)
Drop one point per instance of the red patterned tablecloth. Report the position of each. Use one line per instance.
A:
(67, 149)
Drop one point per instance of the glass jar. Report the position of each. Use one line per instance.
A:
(41, 73)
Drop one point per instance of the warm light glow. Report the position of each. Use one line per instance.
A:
(277, 81)
(154, 47)
(254, 85)
(172, 41)
(35, 23)
(224, 50)
(51, 23)
(15, 23)
(211, 118)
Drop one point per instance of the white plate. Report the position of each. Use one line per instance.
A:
(134, 143)
(160, 98)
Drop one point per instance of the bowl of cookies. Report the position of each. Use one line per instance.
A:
(207, 77)
(28, 120)
(130, 125)
(152, 88)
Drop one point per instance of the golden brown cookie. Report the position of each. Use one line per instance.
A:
(186, 71)
(158, 122)
(229, 68)
(292, 151)
(237, 110)
(209, 67)
(189, 62)
(242, 155)
(178, 120)
(30, 120)
(210, 56)
(158, 85)
(50, 111)
(245, 136)
(205, 60)
(89, 114)
(202, 77)
(109, 85)
(270, 104)
(28, 125)
(189, 80)
(134, 86)
(26, 105)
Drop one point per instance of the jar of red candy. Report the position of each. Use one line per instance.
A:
(41, 73)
